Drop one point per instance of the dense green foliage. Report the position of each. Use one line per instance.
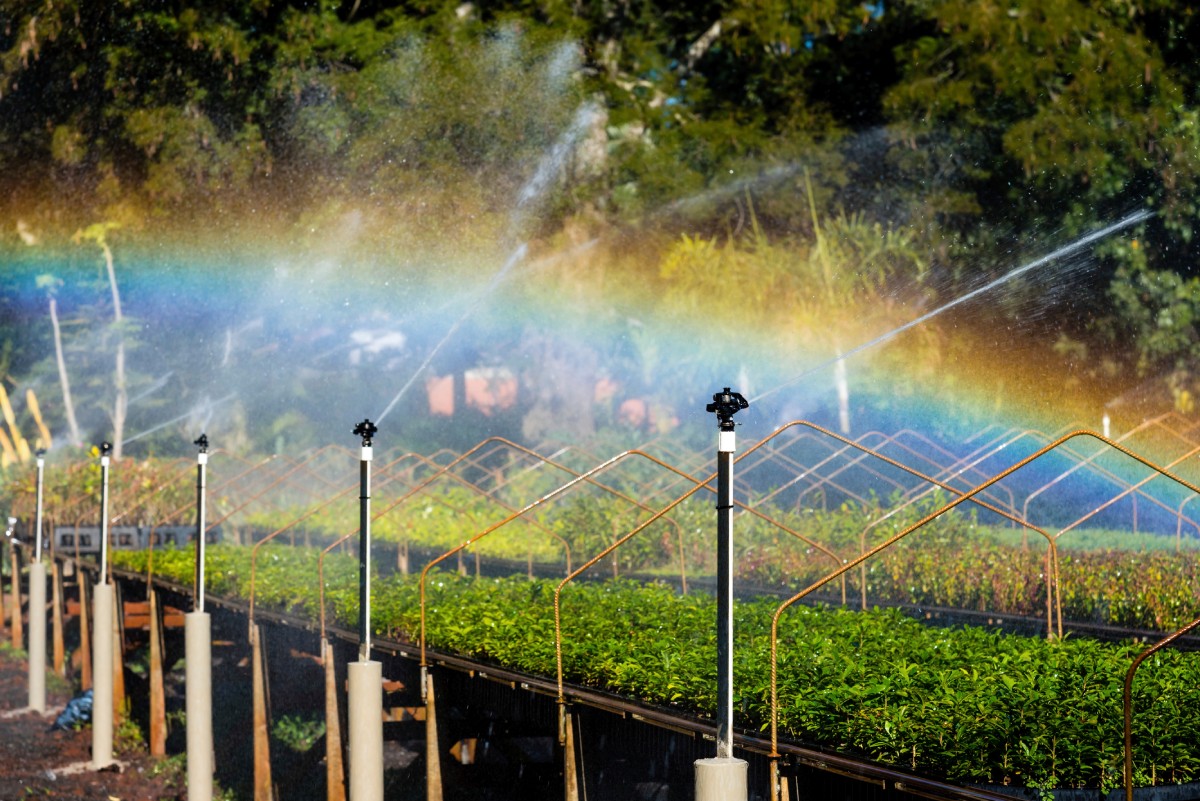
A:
(954, 562)
(966, 704)
(962, 129)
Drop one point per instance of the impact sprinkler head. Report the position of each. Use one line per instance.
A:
(201, 443)
(726, 404)
(366, 429)
(40, 453)
(106, 449)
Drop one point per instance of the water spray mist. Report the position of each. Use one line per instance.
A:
(1065, 250)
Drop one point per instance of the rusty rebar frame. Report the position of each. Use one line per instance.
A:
(420, 488)
(894, 439)
(697, 486)
(1128, 490)
(813, 471)
(1127, 698)
(386, 479)
(189, 505)
(1086, 461)
(774, 755)
(1052, 555)
(259, 494)
(543, 460)
(443, 470)
(582, 477)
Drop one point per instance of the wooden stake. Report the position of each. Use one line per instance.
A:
(433, 754)
(85, 632)
(262, 744)
(158, 712)
(118, 666)
(335, 774)
(56, 621)
(570, 768)
(18, 628)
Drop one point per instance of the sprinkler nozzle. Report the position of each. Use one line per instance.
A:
(40, 453)
(106, 449)
(202, 443)
(366, 429)
(726, 404)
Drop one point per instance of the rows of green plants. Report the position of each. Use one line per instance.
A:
(963, 704)
(1111, 578)
(955, 562)
(446, 518)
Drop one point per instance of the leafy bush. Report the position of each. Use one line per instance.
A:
(965, 704)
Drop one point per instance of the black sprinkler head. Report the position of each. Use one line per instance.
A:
(202, 443)
(106, 449)
(726, 404)
(40, 453)
(366, 429)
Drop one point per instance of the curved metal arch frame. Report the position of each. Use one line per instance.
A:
(774, 755)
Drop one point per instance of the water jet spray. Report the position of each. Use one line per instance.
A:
(207, 406)
(527, 200)
(1066, 250)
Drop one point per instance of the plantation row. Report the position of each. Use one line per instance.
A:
(951, 562)
(1112, 578)
(965, 705)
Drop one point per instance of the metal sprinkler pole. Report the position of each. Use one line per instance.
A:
(102, 636)
(37, 525)
(725, 777)
(201, 484)
(37, 603)
(365, 677)
(366, 429)
(105, 458)
(197, 628)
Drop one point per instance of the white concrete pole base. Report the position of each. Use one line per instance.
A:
(721, 779)
(365, 719)
(102, 680)
(197, 631)
(37, 637)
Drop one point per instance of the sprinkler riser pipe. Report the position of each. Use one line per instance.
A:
(365, 718)
(201, 484)
(37, 637)
(197, 627)
(364, 556)
(725, 450)
(102, 675)
(37, 525)
(104, 460)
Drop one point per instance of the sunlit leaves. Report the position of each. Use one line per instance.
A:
(963, 704)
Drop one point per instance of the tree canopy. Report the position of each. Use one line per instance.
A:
(967, 128)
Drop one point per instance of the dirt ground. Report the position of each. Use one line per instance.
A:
(36, 762)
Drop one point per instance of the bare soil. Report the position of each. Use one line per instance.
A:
(36, 762)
